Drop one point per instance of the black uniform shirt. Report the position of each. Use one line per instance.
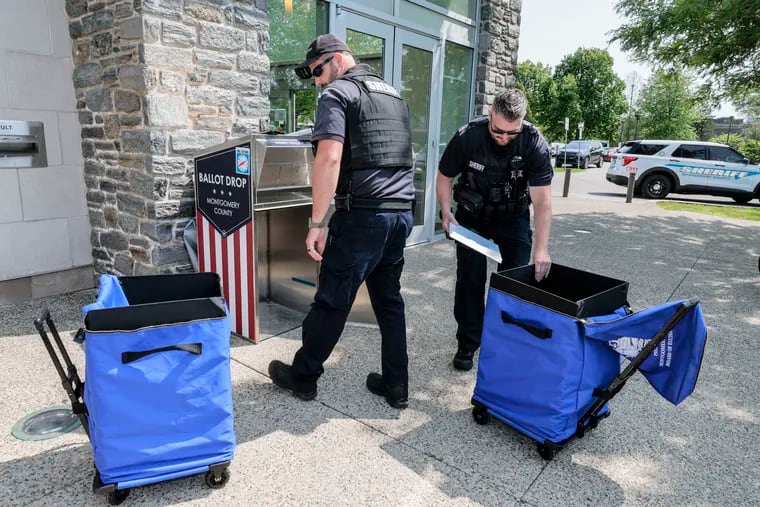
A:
(472, 144)
(386, 183)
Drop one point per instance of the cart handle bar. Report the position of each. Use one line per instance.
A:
(70, 379)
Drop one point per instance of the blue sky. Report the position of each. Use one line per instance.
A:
(552, 29)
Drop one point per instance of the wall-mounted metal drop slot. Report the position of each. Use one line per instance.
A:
(22, 144)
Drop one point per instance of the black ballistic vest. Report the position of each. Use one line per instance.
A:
(378, 133)
(494, 186)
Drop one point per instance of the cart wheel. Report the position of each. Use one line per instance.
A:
(117, 496)
(216, 481)
(547, 452)
(480, 414)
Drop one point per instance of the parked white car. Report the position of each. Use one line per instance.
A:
(555, 147)
(685, 167)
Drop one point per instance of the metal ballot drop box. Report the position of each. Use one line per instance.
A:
(253, 202)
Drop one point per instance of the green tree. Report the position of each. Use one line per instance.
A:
(720, 39)
(668, 108)
(566, 104)
(748, 147)
(704, 126)
(749, 106)
(599, 94)
(535, 79)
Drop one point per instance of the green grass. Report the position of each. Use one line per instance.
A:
(562, 170)
(739, 212)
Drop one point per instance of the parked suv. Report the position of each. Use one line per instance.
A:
(555, 147)
(685, 167)
(580, 154)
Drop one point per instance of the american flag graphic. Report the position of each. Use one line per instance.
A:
(233, 259)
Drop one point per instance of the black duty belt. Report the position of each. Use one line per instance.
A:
(349, 202)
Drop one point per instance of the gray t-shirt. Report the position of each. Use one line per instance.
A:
(381, 183)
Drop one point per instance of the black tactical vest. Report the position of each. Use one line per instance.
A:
(378, 133)
(494, 186)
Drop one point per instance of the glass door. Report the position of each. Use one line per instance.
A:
(413, 77)
(370, 42)
(407, 61)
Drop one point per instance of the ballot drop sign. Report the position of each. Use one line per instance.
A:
(223, 188)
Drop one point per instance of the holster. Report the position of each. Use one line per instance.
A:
(469, 200)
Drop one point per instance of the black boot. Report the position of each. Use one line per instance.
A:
(397, 396)
(282, 375)
(463, 359)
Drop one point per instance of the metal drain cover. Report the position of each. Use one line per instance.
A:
(45, 424)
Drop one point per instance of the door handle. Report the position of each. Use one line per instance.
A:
(674, 160)
(720, 164)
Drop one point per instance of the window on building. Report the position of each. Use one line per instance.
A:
(463, 7)
(292, 100)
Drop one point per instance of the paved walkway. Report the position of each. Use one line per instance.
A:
(349, 448)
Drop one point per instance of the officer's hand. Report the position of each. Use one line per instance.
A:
(542, 263)
(446, 219)
(315, 243)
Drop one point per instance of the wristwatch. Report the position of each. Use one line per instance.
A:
(316, 225)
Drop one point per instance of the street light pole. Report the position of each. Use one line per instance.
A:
(566, 186)
(630, 109)
(728, 134)
(567, 127)
(636, 133)
(580, 136)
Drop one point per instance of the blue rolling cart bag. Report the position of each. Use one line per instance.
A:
(157, 401)
(551, 351)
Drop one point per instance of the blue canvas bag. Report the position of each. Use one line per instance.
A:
(536, 372)
(673, 365)
(551, 351)
(158, 390)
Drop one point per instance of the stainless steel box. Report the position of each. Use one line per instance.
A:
(255, 193)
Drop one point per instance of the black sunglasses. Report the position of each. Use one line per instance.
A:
(318, 69)
(500, 132)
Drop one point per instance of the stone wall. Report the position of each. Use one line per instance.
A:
(155, 81)
(497, 48)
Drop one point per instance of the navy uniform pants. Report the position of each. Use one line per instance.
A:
(362, 245)
(515, 240)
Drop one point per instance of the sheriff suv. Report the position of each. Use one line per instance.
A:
(685, 167)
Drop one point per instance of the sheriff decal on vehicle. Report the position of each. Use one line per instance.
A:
(714, 173)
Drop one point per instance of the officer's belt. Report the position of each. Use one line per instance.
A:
(349, 202)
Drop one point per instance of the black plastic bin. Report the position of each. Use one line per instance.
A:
(547, 365)
(566, 290)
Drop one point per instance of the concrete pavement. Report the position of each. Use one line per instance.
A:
(348, 447)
